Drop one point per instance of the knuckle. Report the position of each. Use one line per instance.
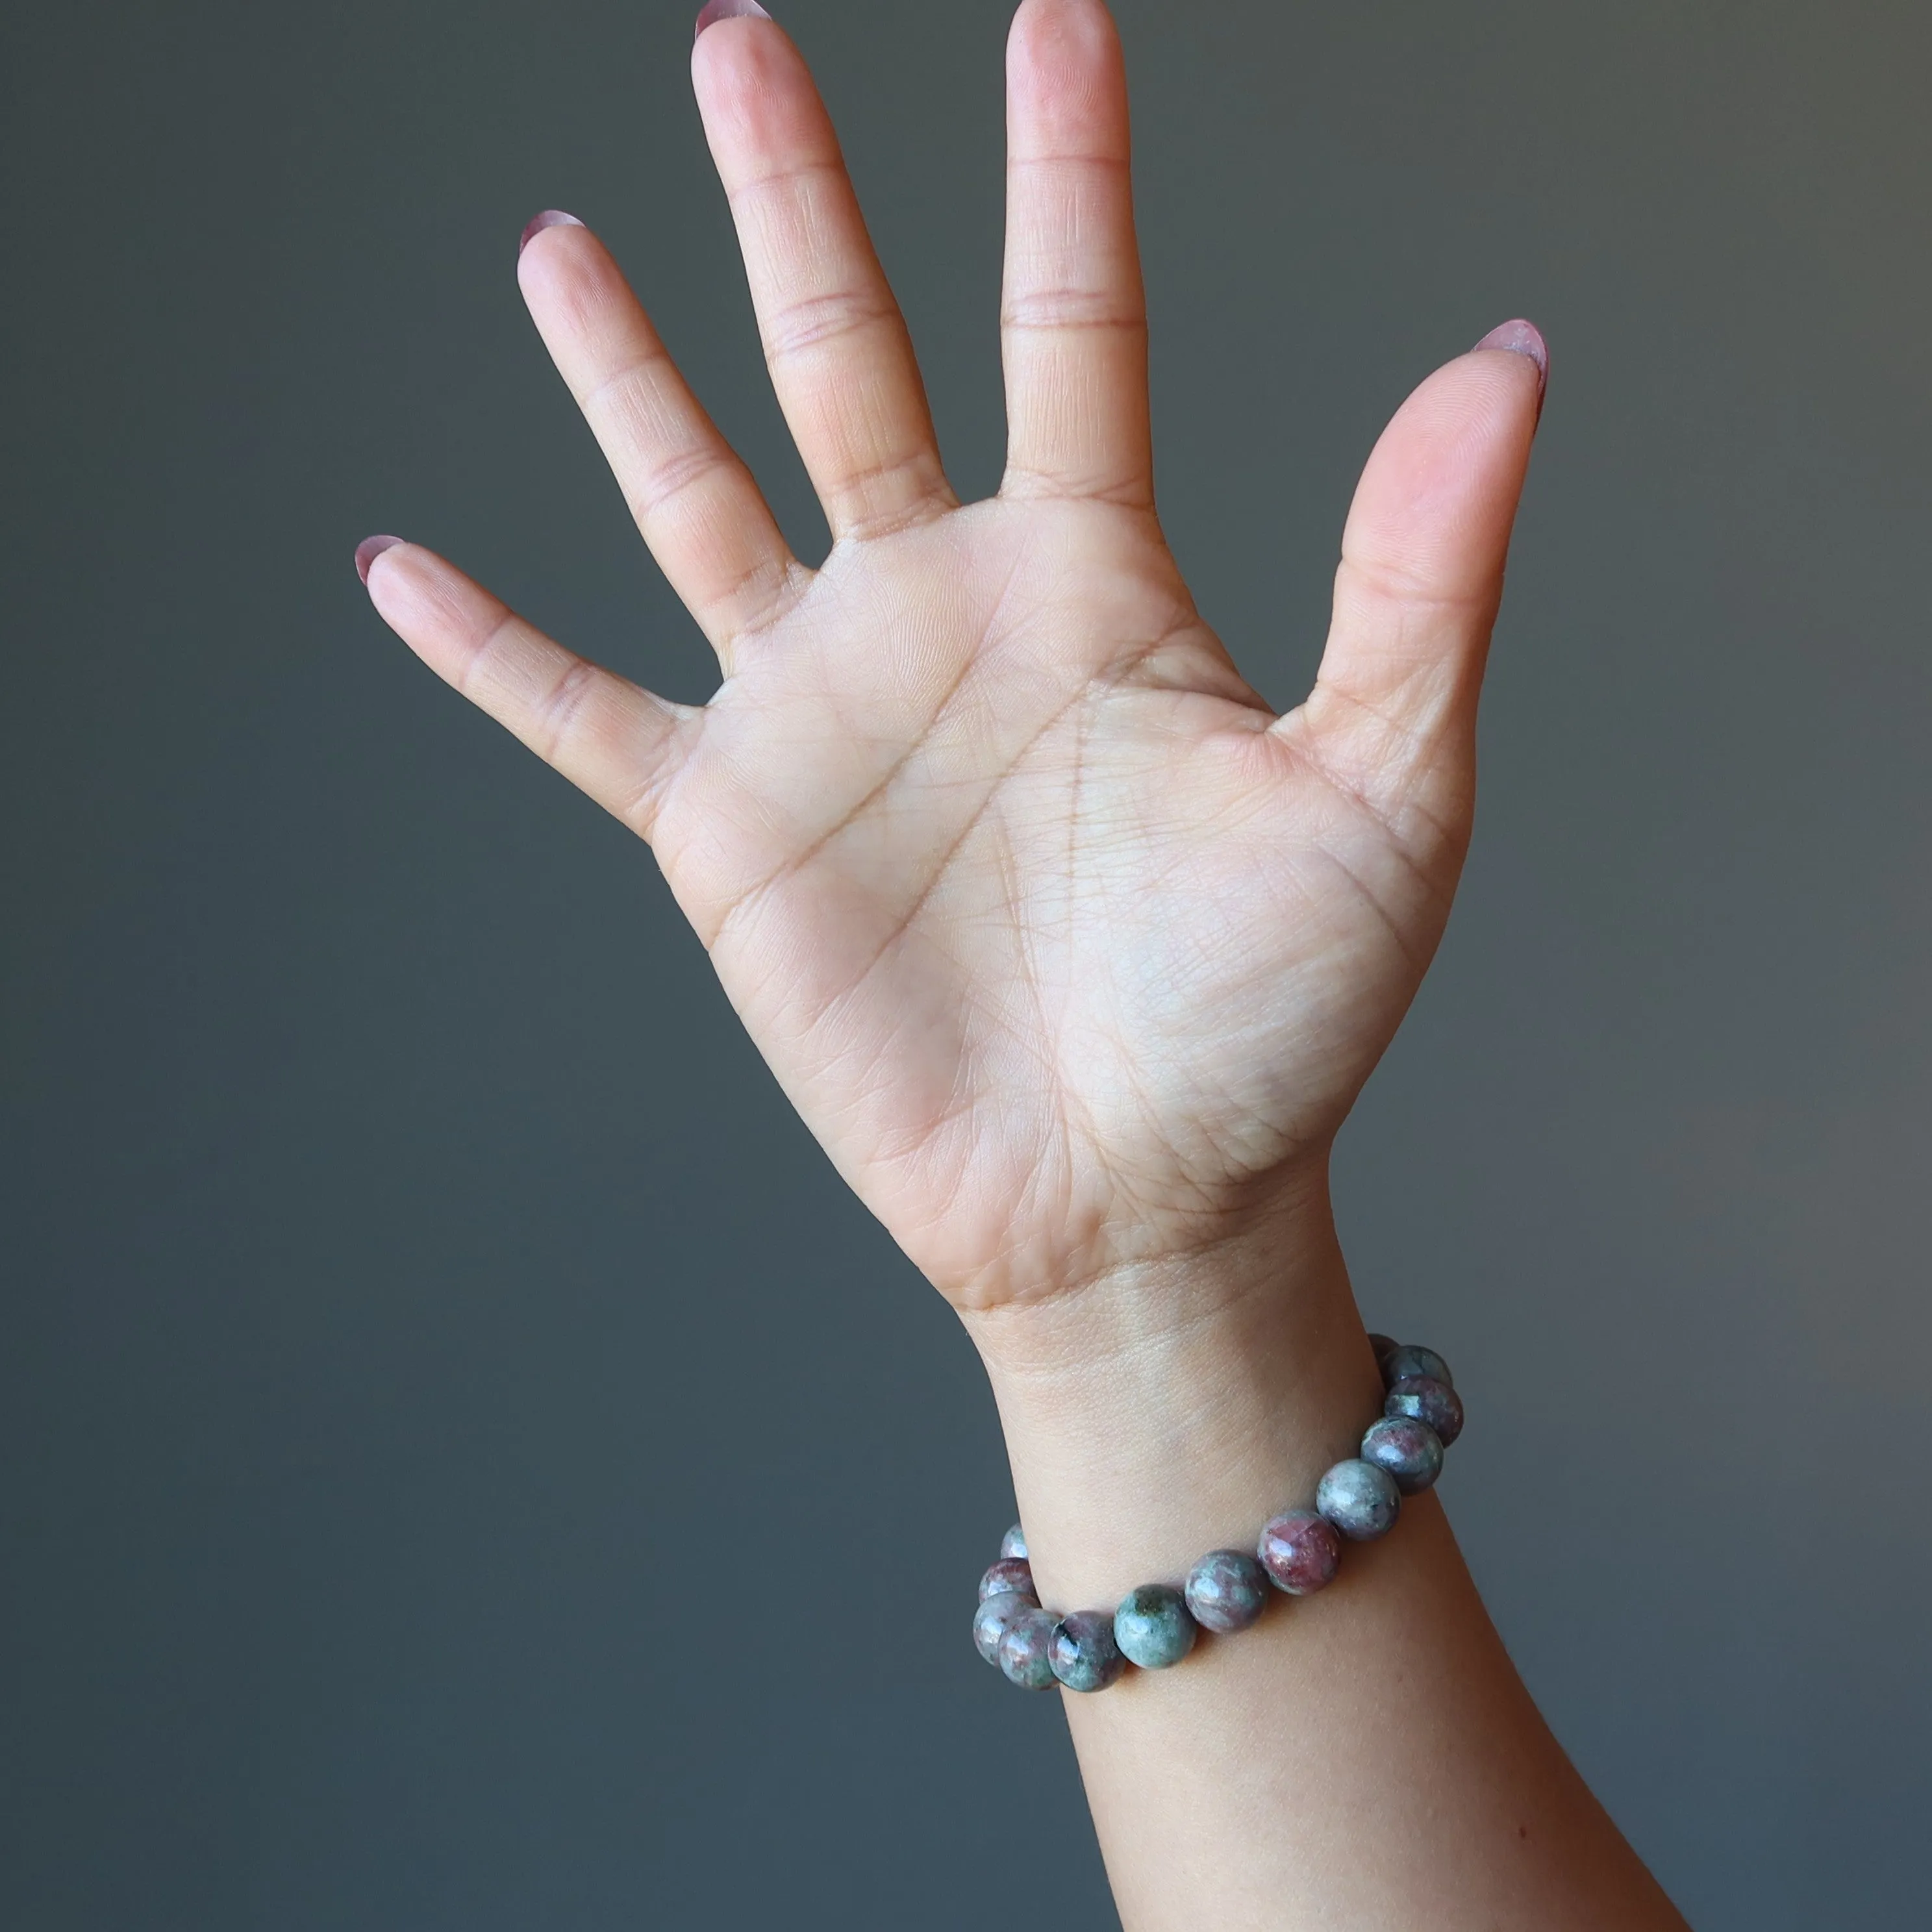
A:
(675, 475)
(1069, 306)
(562, 708)
(812, 322)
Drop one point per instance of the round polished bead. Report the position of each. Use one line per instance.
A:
(1300, 1551)
(1427, 1399)
(1152, 1626)
(1082, 1651)
(1411, 1360)
(1226, 1591)
(1014, 1543)
(1383, 1345)
(994, 1618)
(1411, 1451)
(1361, 1501)
(1010, 1572)
(1024, 1652)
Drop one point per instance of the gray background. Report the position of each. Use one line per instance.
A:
(467, 1463)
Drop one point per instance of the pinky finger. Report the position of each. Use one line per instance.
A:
(618, 743)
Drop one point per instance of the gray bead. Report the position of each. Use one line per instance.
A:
(1014, 1543)
(1152, 1626)
(1411, 1451)
(1010, 1572)
(994, 1618)
(1361, 1501)
(1083, 1652)
(1025, 1652)
(1383, 1345)
(1226, 1591)
(1426, 1400)
(1411, 1360)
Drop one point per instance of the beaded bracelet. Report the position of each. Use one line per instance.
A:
(1299, 1551)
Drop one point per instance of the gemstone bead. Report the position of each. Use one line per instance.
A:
(994, 1618)
(1226, 1591)
(1427, 1399)
(1010, 1572)
(1023, 1652)
(1411, 1451)
(1300, 1551)
(1383, 1345)
(1014, 1543)
(1082, 1651)
(1361, 1501)
(1152, 1626)
(1410, 1359)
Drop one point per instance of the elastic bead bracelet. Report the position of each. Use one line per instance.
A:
(1298, 1552)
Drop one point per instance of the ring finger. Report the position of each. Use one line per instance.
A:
(840, 360)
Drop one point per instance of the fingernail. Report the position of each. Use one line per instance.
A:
(715, 11)
(368, 550)
(551, 217)
(1522, 338)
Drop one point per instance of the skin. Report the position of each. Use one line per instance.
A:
(1074, 956)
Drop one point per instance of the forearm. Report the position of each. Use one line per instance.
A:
(1361, 1757)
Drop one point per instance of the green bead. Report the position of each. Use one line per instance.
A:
(1361, 1501)
(1152, 1628)
(1083, 1652)
(1410, 1359)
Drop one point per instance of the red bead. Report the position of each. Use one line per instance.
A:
(1010, 1572)
(1301, 1551)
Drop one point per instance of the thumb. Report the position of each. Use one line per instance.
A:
(1392, 717)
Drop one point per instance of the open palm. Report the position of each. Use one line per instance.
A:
(1072, 953)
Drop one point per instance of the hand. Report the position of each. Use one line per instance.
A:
(1071, 952)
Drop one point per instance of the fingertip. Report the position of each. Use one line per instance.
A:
(713, 11)
(427, 602)
(367, 552)
(549, 217)
(1489, 399)
(1076, 25)
(748, 82)
(1439, 493)
(1521, 337)
(398, 575)
(742, 52)
(570, 273)
(1063, 65)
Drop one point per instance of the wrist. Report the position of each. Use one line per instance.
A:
(1172, 1407)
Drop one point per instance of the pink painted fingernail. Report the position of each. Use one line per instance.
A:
(715, 11)
(368, 550)
(1522, 338)
(551, 217)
